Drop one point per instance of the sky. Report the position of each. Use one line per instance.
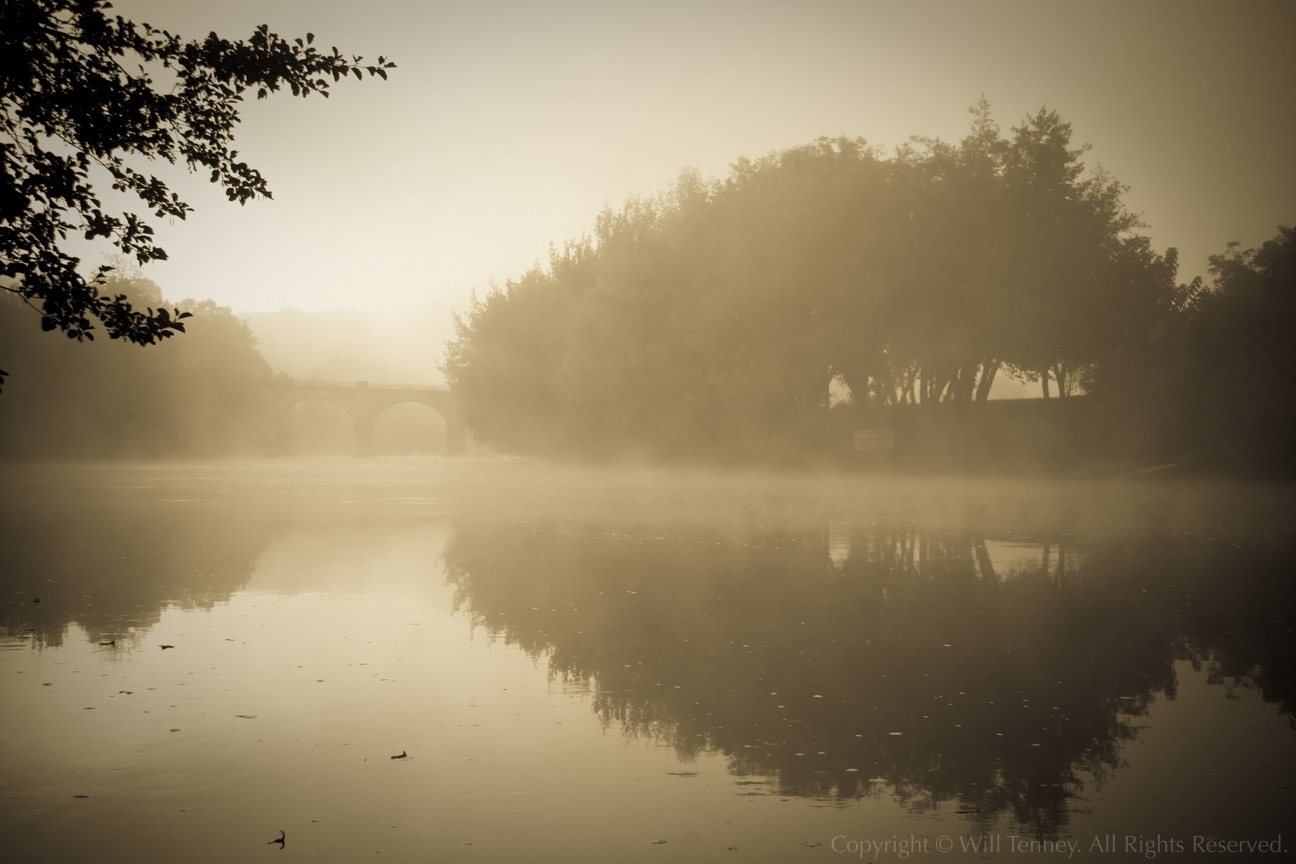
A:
(508, 126)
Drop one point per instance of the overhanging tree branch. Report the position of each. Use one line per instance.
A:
(64, 84)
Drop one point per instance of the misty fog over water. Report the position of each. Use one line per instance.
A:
(838, 429)
(578, 664)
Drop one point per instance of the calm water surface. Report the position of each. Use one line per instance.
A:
(603, 665)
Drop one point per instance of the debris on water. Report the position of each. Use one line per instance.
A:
(682, 773)
(731, 848)
(401, 755)
(657, 842)
(246, 716)
(164, 647)
(811, 844)
(112, 642)
(280, 839)
(80, 796)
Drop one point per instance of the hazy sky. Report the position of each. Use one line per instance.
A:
(509, 125)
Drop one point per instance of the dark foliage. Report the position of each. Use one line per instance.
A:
(78, 97)
(711, 321)
(105, 400)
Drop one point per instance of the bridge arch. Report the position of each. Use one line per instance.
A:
(409, 426)
(364, 402)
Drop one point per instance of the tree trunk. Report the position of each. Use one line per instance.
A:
(886, 386)
(983, 561)
(988, 373)
(1044, 381)
(967, 382)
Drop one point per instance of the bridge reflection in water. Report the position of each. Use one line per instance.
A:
(364, 401)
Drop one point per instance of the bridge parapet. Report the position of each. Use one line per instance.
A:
(358, 385)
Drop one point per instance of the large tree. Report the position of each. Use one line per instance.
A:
(1244, 350)
(709, 321)
(78, 96)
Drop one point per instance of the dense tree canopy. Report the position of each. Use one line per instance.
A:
(714, 317)
(1234, 357)
(196, 396)
(78, 96)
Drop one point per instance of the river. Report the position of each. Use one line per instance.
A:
(438, 660)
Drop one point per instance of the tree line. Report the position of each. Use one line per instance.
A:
(719, 318)
(194, 395)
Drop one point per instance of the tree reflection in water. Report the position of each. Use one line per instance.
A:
(113, 558)
(868, 659)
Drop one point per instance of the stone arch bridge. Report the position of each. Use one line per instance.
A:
(364, 402)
